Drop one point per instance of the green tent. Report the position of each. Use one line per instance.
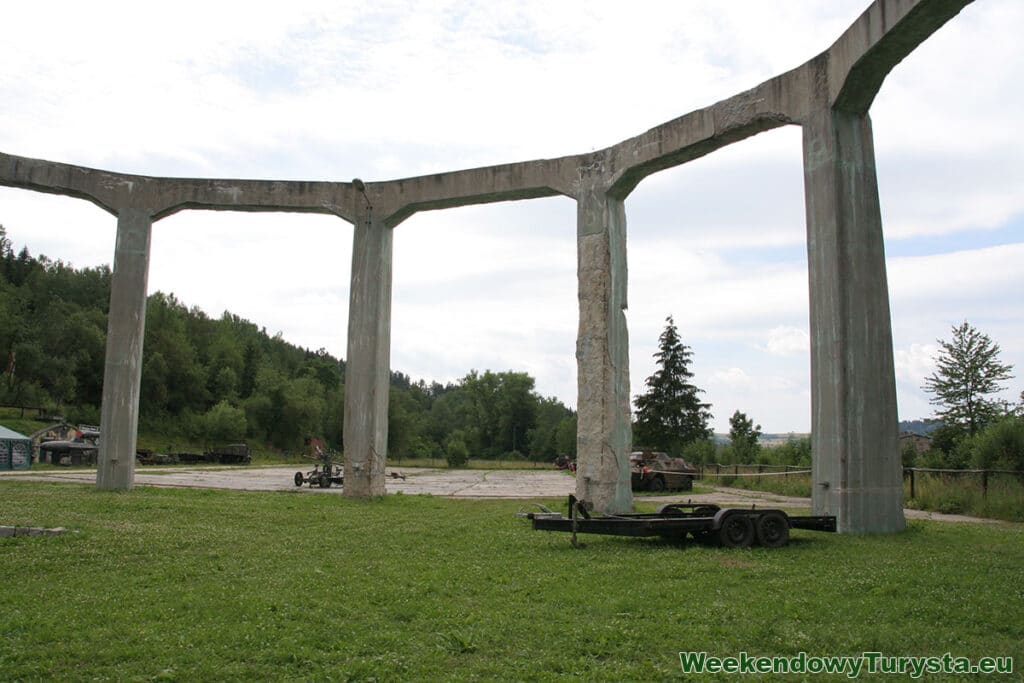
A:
(15, 450)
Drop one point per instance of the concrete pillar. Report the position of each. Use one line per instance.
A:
(857, 471)
(368, 365)
(122, 376)
(604, 434)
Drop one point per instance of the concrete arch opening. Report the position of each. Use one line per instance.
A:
(750, 356)
(43, 219)
(952, 247)
(442, 327)
(262, 277)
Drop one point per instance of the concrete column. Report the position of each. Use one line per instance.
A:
(604, 434)
(122, 376)
(857, 470)
(368, 365)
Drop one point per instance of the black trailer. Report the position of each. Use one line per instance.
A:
(730, 527)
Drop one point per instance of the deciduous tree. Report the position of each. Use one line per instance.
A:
(743, 435)
(967, 371)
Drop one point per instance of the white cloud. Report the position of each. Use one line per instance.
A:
(788, 341)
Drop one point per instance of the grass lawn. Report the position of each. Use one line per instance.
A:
(179, 584)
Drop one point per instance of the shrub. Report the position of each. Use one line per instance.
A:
(1000, 446)
(456, 452)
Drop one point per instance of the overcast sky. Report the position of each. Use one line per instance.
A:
(336, 90)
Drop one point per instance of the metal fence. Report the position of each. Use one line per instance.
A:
(718, 471)
(911, 472)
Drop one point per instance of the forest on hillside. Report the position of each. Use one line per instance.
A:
(223, 379)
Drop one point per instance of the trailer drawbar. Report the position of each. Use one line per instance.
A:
(729, 527)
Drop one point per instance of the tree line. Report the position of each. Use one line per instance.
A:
(217, 380)
(973, 429)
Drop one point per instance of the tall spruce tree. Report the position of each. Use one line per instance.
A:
(670, 415)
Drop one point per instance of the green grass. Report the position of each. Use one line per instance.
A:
(964, 495)
(934, 492)
(181, 584)
(798, 485)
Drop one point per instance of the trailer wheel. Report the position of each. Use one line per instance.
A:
(299, 479)
(772, 530)
(325, 481)
(737, 531)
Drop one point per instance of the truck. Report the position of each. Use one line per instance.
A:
(706, 523)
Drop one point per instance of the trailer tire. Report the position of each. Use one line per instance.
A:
(737, 531)
(772, 530)
(325, 481)
(299, 479)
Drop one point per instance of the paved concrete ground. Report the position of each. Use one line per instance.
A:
(439, 482)
(514, 484)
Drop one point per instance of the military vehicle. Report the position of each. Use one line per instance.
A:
(655, 471)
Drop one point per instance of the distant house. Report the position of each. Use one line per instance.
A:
(920, 442)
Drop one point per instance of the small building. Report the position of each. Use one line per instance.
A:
(920, 442)
(15, 450)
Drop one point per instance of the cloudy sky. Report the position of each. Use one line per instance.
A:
(310, 90)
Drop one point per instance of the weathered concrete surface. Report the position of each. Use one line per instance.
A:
(885, 33)
(604, 431)
(368, 366)
(122, 375)
(166, 196)
(854, 425)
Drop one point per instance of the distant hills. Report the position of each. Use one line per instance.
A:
(922, 427)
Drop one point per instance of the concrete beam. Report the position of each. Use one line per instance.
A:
(166, 196)
(857, 470)
(877, 41)
(506, 182)
(776, 102)
(368, 365)
(122, 375)
(604, 433)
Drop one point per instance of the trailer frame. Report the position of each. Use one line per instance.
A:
(706, 522)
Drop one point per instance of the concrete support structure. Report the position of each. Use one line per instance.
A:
(604, 431)
(126, 328)
(852, 378)
(368, 366)
(854, 424)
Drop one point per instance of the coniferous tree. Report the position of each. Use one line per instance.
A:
(670, 415)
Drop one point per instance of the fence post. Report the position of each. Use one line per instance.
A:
(984, 483)
(912, 496)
